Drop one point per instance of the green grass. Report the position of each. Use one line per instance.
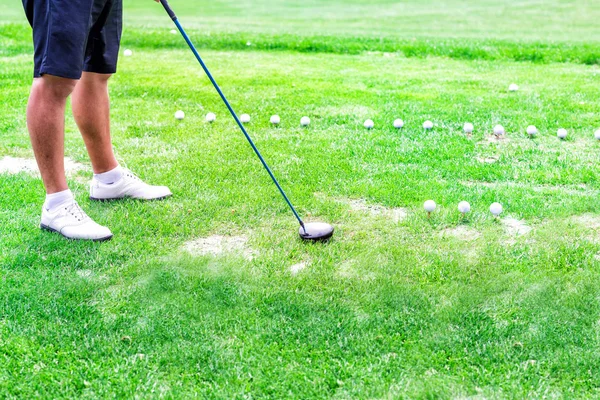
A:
(387, 309)
(552, 31)
(522, 20)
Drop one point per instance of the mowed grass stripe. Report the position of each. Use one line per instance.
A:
(460, 49)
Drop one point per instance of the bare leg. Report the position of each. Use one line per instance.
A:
(91, 108)
(46, 124)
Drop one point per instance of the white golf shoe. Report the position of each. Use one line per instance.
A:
(73, 223)
(129, 186)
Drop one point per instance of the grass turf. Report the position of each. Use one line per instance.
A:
(406, 309)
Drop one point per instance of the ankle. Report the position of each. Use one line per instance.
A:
(55, 200)
(110, 177)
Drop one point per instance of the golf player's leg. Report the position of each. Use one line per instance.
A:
(91, 109)
(59, 36)
(46, 123)
(90, 104)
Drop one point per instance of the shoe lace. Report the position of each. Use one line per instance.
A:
(130, 174)
(75, 210)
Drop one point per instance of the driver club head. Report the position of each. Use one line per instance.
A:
(316, 231)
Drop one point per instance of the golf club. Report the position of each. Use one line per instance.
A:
(310, 231)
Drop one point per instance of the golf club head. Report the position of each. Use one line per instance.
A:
(316, 231)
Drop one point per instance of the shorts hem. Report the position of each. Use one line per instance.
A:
(58, 73)
(100, 70)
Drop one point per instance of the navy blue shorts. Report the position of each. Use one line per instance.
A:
(72, 36)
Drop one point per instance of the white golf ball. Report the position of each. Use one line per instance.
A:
(427, 125)
(244, 118)
(597, 134)
(305, 121)
(275, 120)
(513, 87)
(468, 128)
(429, 206)
(464, 207)
(179, 115)
(498, 130)
(173, 31)
(496, 209)
(398, 124)
(128, 53)
(369, 124)
(211, 117)
(532, 130)
(562, 133)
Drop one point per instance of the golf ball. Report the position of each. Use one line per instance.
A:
(532, 130)
(498, 130)
(179, 115)
(427, 125)
(275, 120)
(244, 118)
(597, 134)
(369, 124)
(128, 53)
(173, 31)
(305, 121)
(464, 207)
(513, 87)
(211, 117)
(429, 206)
(468, 128)
(562, 133)
(398, 124)
(496, 209)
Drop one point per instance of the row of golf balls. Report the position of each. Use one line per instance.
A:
(463, 207)
(398, 124)
(244, 118)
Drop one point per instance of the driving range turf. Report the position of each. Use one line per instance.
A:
(397, 305)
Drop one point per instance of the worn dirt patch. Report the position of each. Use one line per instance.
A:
(515, 227)
(16, 165)
(296, 268)
(85, 273)
(217, 245)
(487, 160)
(461, 233)
(360, 205)
(588, 221)
(471, 255)
(493, 139)
(591, 223)
(90, 275)
(347, 270)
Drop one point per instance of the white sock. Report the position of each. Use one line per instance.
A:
(110, 177)
(55, 200)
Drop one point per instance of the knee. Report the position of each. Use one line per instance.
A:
(91, 78)
(54, 86)
(103, 77)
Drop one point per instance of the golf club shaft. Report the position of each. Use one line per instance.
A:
(262, 160)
